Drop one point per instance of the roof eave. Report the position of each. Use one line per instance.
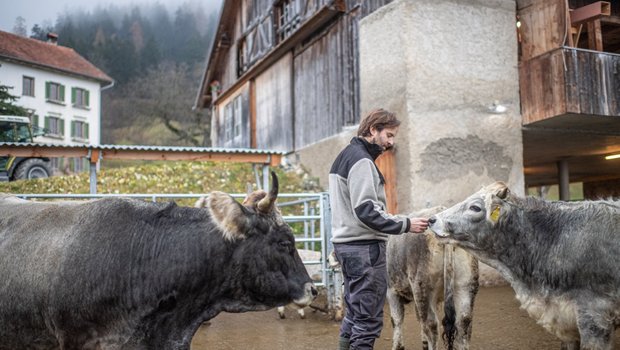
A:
(208, 73)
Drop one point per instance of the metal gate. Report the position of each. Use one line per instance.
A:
(308, 214)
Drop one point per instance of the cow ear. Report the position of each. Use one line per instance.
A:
(229, 215)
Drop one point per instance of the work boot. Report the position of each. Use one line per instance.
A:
(343, 343)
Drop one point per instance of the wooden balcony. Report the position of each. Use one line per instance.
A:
(570, 103)
(569, 85)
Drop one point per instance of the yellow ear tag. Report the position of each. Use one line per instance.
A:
(495, 214)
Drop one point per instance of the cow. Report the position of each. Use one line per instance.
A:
(561, 258)
(419, 270)
(118, 273)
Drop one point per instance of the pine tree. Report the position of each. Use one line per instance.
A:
(7, 103)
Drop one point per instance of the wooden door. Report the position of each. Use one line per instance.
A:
(387, 166)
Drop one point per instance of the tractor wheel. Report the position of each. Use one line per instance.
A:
(33, 168)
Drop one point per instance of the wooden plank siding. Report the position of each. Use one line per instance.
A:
(543, 27)
(274, 106)
(326, 85)
(570, 81)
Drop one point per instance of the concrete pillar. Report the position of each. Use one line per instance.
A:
(448, 68)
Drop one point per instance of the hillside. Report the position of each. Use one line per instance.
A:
(164, 177)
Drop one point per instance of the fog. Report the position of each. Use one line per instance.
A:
(44, 13)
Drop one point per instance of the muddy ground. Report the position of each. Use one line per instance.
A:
(498, 324)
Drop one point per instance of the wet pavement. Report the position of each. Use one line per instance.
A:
(498, 324)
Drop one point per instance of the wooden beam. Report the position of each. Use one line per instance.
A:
(253, 142)
(590, 12)
(612, 20)
(94, 153)
(595, 35)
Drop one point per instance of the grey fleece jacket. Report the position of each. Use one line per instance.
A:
(357, 197)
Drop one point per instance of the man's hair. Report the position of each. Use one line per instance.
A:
(379, 119)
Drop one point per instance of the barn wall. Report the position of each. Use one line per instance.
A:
(274, 119)
(439, 65)
(230, 124)
(326, 84)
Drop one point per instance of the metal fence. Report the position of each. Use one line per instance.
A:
(308, 214)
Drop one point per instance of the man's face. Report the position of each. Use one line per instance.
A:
(384, 138)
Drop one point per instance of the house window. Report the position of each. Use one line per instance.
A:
(27, 86)
(55, 126)
(288, 18)
(54, 92)
(79, 131)
(80, 97)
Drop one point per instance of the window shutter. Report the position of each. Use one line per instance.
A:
(72, 95)
(61, 92)
(87, 93)
(47, 123)
(86, 131)
(61, 126)
(47, 89)
(35, 120)
(73, 128)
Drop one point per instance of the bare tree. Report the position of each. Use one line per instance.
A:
(165, 94)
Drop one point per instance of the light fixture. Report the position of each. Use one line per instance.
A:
(613, 156)
(497, 108)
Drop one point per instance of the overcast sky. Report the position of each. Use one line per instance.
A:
(39, 11)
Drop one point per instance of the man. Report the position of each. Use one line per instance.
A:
(360, 228)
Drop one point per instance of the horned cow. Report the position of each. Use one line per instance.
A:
(420, 269)
(561, 258)
(117, 273)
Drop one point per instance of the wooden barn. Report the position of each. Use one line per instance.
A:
(297, 76)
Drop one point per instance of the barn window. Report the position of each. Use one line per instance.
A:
(287, 17)
(228, 122)
(237, 116)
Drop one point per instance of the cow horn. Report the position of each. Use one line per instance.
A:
(503, 193)
(266, 204)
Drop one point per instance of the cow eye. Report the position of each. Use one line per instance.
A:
(475, 208)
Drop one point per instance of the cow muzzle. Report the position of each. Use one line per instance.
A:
(437, 226)
(310, 292)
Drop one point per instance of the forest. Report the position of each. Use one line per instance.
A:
(156, 56)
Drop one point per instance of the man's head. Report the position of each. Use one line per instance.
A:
(379, 127)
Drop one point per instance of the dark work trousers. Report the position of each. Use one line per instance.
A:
(365, 285)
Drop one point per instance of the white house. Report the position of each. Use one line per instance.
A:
(60, 88)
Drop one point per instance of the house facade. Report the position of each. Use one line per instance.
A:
(60, 89)
(477, 84)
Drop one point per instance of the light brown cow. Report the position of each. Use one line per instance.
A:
(417, 267)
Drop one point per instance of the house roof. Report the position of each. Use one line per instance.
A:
(50, 56)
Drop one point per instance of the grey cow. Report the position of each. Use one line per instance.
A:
(562, 259)
(126, 274)
(417, 267)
